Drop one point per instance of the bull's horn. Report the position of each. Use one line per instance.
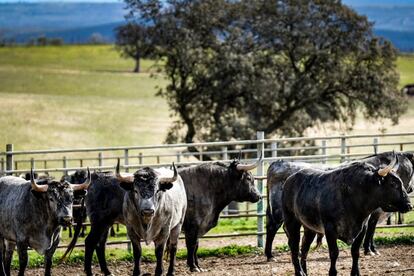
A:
(84, 185)
(384, 171)
(239, 155)
(249, 167)
(35, 187)
(126, 179)
(165, 179)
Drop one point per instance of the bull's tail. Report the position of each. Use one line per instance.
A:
(318, 241)
(78, 228)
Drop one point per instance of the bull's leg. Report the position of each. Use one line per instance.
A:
(23, 258)
(273, 223)
(307, 240)
(331, 238)
(51, 251)
(10, 246)
(369, 247)
(196, 258)
(159, 252)
(191, 241)
(100, 253)
(136, 250)
(112, 231)
(83, 230)
(292, 229)
(172, 246)
(355, 251)
(2, 257)
(70, 231)
(91, 242)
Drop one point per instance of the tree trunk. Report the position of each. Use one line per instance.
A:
(137, 68)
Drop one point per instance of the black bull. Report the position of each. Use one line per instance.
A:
(338, 203)
(209, 188)
(279, 171)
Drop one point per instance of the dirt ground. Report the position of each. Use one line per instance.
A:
(395, 260)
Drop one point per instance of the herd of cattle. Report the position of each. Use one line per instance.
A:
(343, 202)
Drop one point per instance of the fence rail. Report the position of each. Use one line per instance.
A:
(319, 149)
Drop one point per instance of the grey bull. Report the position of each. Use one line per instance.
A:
(151, 203)
(31, 215)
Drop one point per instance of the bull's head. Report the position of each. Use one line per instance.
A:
(146, 187)
(243, 181)
(59, 196)
(393, 195)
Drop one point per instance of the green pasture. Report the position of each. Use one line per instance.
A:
(77, 96)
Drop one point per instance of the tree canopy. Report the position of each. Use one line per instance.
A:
(281, 66)
(134, 41)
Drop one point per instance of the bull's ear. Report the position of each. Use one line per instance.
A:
(128, 186)
(37, 195)
(165, 186)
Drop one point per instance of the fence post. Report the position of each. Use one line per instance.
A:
(16, 165)
(140, 158)
(2, 166)
(224, 156)
(178, 156)
(100, 159)
(274, 149)
(129, 244)
(65, 164)
(32, 163)
(45, 164)
(201, 153)
(375, 144)
(126, 160)
(9, 158)
(401, 147)
(260, 152)
(323, 149)
(343, 148)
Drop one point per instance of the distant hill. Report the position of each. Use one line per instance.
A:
(404, 41)
(395, 18)
(76, 22)
(76, 35)
(26, 18)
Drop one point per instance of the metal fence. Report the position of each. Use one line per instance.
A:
(320, 149)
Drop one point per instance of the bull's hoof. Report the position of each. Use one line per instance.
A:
(377, 253)
(107, 273)
(195, 269)
(271, 259)
(369, 253)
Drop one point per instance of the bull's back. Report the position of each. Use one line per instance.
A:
(104, 199)
(13, 195)
(303, 197)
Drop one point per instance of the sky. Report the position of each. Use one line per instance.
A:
(348, 2)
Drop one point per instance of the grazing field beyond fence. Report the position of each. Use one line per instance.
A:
(83, 96)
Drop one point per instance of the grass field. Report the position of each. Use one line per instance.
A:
(77, 96)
